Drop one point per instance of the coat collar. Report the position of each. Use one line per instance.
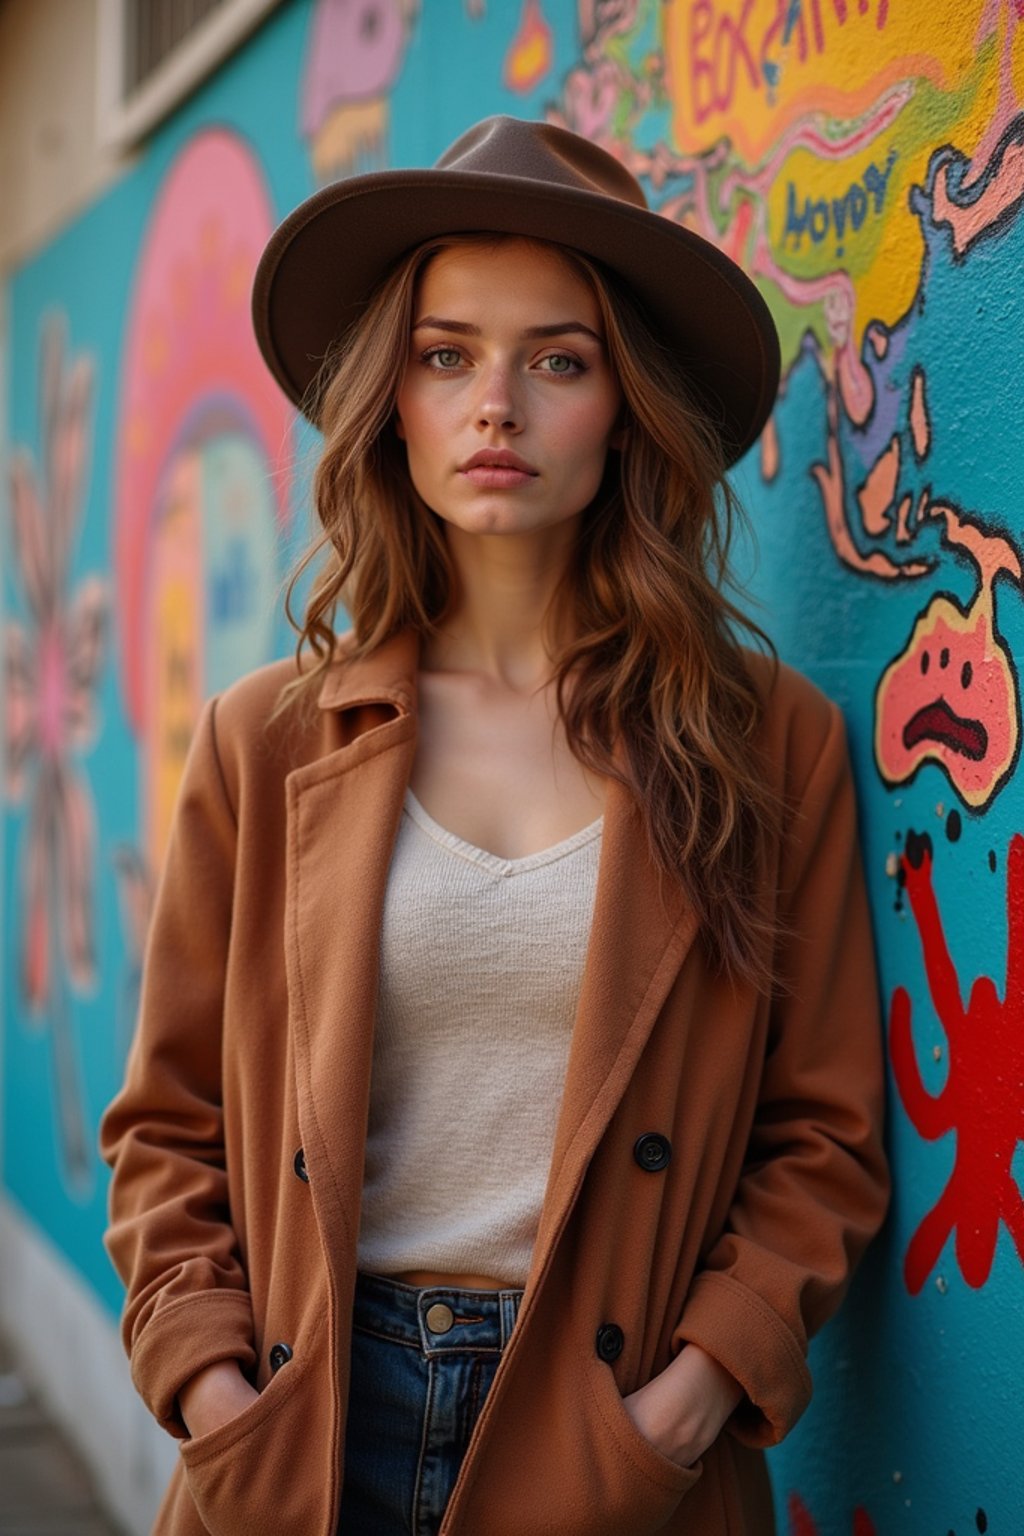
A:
(344, 810)
(387, 675)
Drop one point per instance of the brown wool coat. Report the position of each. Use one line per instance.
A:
(254, 1040)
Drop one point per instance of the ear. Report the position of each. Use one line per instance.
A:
(619, 439)
(399, 428)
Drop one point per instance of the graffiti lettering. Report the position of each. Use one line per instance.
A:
(837, 213)
(725, 47)
(717, 45)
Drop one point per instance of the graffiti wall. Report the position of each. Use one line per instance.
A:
(864, 159)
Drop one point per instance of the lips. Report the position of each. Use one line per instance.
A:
(498, 469)
(497, 458)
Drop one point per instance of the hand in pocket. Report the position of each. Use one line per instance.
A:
(682, 1410)
(214, 1395)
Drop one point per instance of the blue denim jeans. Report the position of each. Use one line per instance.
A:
(423, 1361)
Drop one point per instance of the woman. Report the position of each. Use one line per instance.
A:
(504, 1111)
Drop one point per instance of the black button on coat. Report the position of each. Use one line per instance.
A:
(279, 1355)
(610, 1341)
(653, 1151)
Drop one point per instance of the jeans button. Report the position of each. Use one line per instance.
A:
(439, 1317)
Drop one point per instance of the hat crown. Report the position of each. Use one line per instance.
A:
(541, 152)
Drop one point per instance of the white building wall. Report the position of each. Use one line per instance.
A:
(66, 1345)
(69, 1352)
(51, 162)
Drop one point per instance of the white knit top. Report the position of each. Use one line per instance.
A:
(480, 970)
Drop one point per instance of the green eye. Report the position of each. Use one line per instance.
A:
(559, 363)
(447, 357)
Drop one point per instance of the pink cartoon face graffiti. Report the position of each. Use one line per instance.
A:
(950, 697)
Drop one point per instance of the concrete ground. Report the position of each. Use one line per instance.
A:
(44, 1488)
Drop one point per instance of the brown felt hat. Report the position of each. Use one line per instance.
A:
(521, 178)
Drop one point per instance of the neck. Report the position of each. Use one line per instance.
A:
(505, 585)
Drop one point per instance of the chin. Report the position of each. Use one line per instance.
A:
(505, 517)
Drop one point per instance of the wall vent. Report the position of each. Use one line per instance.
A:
(153, 30)
(153, 54)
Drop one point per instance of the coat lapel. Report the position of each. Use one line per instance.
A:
(639, 939)
(344, 810)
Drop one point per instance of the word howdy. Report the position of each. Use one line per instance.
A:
(837, 215)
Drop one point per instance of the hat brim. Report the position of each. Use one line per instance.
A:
(323, 261)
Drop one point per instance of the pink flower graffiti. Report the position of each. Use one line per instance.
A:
(52, 666)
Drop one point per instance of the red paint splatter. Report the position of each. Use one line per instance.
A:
(735, 241)
(983, 1099)
(801, 1522)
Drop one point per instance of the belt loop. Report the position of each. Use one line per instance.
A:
(510, 1301)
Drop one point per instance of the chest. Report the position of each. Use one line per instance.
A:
(494, 766)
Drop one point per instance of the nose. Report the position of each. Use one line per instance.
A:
(498, 404)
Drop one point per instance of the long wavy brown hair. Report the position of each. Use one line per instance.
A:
(654, 662)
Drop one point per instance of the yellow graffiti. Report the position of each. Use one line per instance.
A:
(173, 704)
(754, 67)
(351, 132)
(530, 54)
(832, 110)
(174, 648)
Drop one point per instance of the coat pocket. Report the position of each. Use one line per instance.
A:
(658, 1483)
(558, 1455)
(262, 1472)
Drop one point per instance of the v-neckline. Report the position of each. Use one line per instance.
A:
(493, 861)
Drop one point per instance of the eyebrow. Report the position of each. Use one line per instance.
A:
(532, 332)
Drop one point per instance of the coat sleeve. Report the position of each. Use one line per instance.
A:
(814, 1185)
(170, 1236)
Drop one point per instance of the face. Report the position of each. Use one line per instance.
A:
(508, 405)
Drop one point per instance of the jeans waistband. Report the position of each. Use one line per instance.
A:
(435, 1319)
